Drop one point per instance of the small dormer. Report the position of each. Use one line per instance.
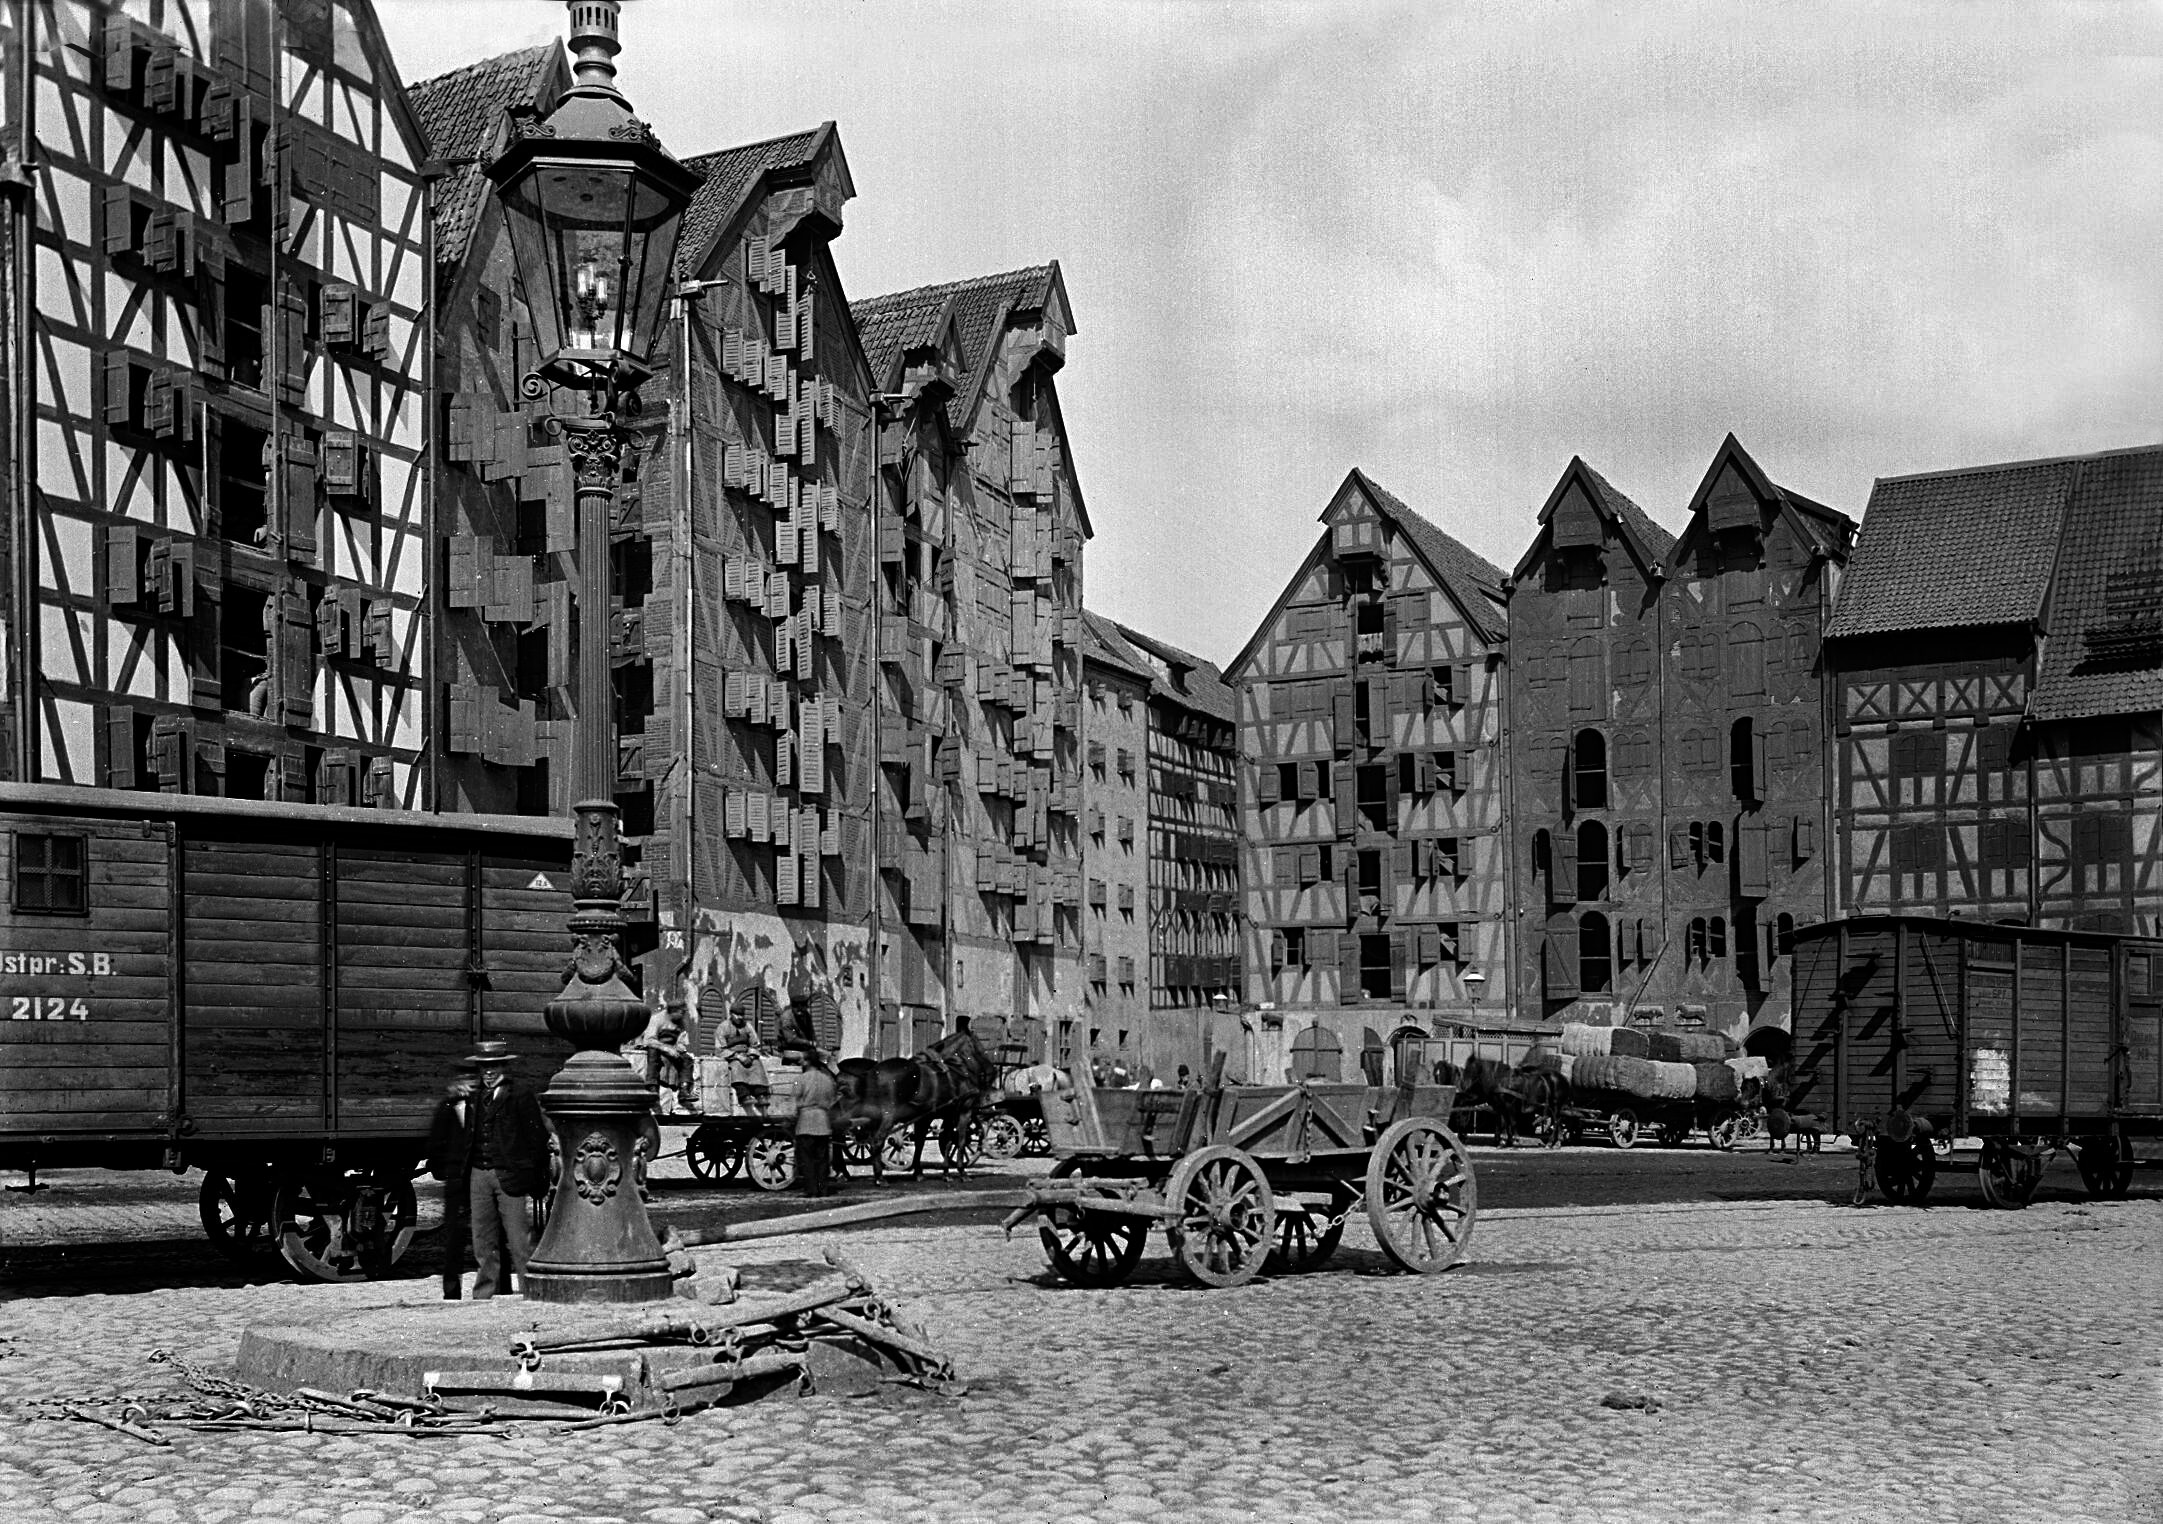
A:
(1577, 541)
(1037, 335)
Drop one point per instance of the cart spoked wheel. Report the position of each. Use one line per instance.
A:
(771, 1163)
(1421, 1196)
(1725, 1130)
(900, 1150)
(1906, 1171)
(1674, 1134)
(856, 1150)
(1227, 1216)
(1308, 1235)
(711, 1153)
(1091, 1248)
(341, 1228)
(960, 1143)
(1000, 1136)
(2009, 1172)
(1035, 1138)
(1547, 1128)
(236, 1214)
(1622, 1128)
(2106, 1167)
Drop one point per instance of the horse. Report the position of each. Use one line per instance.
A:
(1515, 1096)
(942, 1084)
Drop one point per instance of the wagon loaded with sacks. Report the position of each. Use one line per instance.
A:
(1621, 1080)
(1246, 1175)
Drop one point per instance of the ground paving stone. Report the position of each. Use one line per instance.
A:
(1807, 1362)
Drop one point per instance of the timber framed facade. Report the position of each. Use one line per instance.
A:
(1997, 668)
(1116, 842)
(1371, 788)
(218, 421)
(980, 530)
(1667, 729)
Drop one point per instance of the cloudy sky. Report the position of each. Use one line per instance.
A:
(1456, 244)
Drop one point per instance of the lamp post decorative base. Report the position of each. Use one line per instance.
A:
(599, 1246)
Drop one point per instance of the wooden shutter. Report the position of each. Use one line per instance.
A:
(296, 470)
(1399, 973)
(1568, 778)
(1348, 966)
(1558, 961)
(1805, 838)
(1347, 795)
(1746, 660)
(1266, 784)
(123, 570)
(338, 314)
(1678, 846)
(120, 756)
(1752, 873)
(295, 656)
(1757, 747)
(1345, 708)
(172, 752)
(1562, 880)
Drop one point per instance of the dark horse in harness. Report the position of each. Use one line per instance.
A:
(942, 1084)
(1517, 1098)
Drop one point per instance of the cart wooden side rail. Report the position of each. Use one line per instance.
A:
(1243, 1176)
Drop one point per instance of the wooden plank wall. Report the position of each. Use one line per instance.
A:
(254, 980)
(85, 1050)
(404, 1002)
(524, 903)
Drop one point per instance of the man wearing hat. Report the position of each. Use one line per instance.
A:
(816, 1098)
(493, 1134)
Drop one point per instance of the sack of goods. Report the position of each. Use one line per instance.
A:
(1565, 1068)
(1688, 1047)
(1581, 1041)
(1673, 1082)
(1602, 1071)
(1749, 1068)
(1629, 1042)
(1715, 1082)
(1541, 1059)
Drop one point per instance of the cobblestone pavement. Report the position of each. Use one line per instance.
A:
(1785, 1360)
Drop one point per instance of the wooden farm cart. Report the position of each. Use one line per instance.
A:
(1911, 1030)
(1242, 1175)
(727, 1135)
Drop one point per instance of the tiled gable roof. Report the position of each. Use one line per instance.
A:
(462, 114)
(1656, 542)
(890, 326)
(1474, 581)
(977, 303)
(1102, 643)
(725, 176)
(1201, 684)
(2104, 651)
(1955, 548)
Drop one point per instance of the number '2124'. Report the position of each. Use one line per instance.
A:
(47, 1008)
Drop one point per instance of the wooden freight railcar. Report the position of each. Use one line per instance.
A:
(275, 994)
(2031, 1040)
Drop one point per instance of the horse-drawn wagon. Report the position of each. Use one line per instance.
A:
(1239, 1176)
(1623, 1081)
(1910, 1029)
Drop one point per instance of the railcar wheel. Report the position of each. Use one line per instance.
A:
(1422, 1198)
(1227, 1216)
(236, 1212)
(1622, 1128)
(771, 1163)
(328, 1232)
(1308, 1236)
(2009, 1172)
(1000, 1137)
(712, 1153)
(1095, 1249)
(1036, 1138)
(1906, 1171)
(2106, 1166)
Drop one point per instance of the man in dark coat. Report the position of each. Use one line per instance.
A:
(448, 1162)
(500, 1138)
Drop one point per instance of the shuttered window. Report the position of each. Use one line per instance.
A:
(51, 874)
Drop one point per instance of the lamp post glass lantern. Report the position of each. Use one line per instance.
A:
(591, 204)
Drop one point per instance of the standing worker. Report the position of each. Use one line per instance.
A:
(450, 1161)
(816, 1097)
(504, 1140)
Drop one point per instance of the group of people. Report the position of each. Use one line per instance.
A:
(490, 1144)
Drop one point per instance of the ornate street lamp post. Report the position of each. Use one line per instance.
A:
(592, 203)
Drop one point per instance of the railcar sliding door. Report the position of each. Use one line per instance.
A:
(253, 934)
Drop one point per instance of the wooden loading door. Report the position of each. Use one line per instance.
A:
(403, 996)
(253, 936)
(2143, 1030)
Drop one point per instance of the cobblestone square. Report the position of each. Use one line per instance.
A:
(1783, 1359)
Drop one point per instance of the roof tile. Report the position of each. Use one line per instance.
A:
(977, 302)
(1475, 582)
(726, 175)
(1195, 683)
(462, 114)
(2104, 654)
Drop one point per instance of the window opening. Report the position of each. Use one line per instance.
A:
(50, 876)
(1374, 967)
(1592, 861)
(243, 651)
(1591, 759)
(1595, 960)
(1373, 783)
(243, 484)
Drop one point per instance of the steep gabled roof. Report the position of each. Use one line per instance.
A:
(981, 305)
(1472, 581)
(2104, 651)
(890, 326)
(730, 175)
(1954, 549)
(1196, 683)
(1647, 541)
(1828, 529)
(462, 113)
(1104, 645)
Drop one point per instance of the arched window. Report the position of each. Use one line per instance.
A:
(1695, 949)
(1746, 659)
(1783, 932)
(1697, 843)
(1715, 841)
(1595, 955)
(1543, 854)
(1589, 756)
(1746, 759)
(1592, 861)
(1716, 937)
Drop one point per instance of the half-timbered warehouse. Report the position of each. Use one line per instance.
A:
(1666, 733)
(739, 570)
(1371, 790)
(217, 542)
(1117, 990)
(980, 528)
(1996, 660)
